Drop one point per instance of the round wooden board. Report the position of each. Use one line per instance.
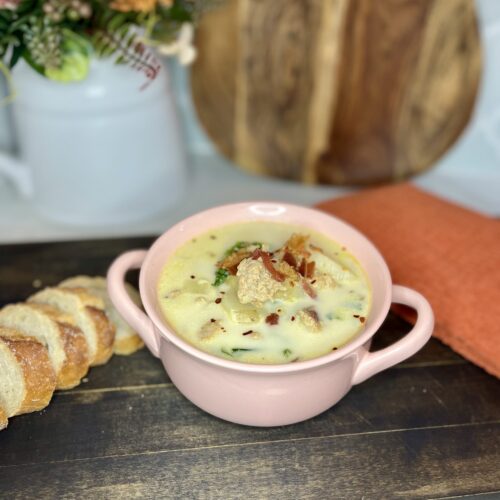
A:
(337, 91)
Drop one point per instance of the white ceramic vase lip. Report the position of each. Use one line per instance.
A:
(361, 247)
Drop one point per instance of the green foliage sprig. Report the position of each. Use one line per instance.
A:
(58, 37)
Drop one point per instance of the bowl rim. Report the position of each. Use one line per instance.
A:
(347, 349)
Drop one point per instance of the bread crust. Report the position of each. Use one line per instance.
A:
(72, 340)
(124, 346)
(105, 335)
(93, 307)
(127, 341)
(76, 364)
(3, 419)
(38, 373)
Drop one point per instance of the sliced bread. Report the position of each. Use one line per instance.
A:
(88, 314)
(27, 379)
(126, 340)
(3, 419)
(56, 330)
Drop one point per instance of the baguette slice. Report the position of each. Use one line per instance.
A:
(3, 419)
(88, 314)
(27, 379)
(126, 341)
(64, 341)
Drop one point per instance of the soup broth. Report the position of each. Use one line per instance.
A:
(264, 292)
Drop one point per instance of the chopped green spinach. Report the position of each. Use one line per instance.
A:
(233, 350)
(239, 245)
(287, 352)
(220, 276)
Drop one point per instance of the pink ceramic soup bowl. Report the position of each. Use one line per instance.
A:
(266, 395)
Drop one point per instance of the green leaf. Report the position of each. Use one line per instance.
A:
(287, 352)
(239, 245)
(234, 350)
(220, 276)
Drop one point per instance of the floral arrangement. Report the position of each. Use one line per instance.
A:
(57, 38)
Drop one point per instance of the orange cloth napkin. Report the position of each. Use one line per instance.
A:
(448, 253)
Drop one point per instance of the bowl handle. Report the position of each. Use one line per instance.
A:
(132, 314)
(374, 362)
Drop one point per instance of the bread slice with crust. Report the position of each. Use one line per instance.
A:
(57, 331)
(27, 379)
(88, 314)
(126, 341)
(3, 419)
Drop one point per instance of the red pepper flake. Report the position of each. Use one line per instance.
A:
(193, 276)
(334, 349)
(274, 261)
(362, 319)
(248, 332)
(212, 320)
(218, 300)
(355, 315)
(272, 319)
(313, 281)
(293, 318)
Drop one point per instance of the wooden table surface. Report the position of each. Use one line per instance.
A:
(427, 428)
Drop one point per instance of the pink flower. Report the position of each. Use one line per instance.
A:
(9, 4)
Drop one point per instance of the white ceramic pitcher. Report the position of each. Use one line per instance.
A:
(105, 150)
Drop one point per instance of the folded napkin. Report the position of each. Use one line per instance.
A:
(448, 253)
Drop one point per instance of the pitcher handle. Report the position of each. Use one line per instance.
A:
(18, 173)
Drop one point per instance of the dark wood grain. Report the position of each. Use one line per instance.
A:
(429, 427)
(443, 462)
(26, 267)
(139, 419)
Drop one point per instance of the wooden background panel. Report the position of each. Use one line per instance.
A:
(430, 118)
(418, 463)
(148, 419)
(219, 69)
(337, 91)
(380, 50)
(274, 83)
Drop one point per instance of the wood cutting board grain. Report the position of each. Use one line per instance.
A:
(337, 91)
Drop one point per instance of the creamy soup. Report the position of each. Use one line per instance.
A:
(264, 292)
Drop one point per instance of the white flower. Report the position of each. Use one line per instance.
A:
(183, 47)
